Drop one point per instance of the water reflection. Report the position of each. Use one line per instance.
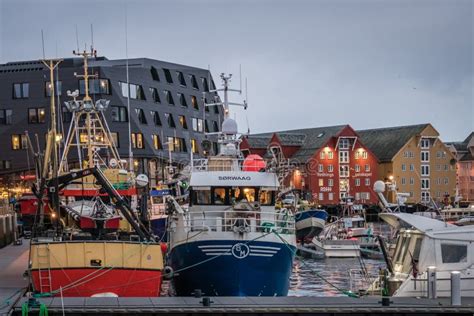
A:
(308, 274)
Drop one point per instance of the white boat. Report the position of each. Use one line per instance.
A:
(338, 248)
(424, 242)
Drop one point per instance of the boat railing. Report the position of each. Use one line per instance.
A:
(241, 221)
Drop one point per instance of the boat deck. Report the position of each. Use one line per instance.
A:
(14, 259)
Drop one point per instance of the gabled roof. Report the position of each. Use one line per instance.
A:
(310, 139)
(259, 140)
(385, 143)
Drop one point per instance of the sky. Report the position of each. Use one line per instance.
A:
(367, 63)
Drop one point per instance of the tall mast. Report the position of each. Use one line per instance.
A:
(50, 163)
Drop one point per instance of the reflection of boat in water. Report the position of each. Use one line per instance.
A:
(231, 241)
(309, 223)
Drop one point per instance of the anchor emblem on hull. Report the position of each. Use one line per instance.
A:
(240, 250)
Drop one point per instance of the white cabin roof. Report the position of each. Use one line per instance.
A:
(234, 179)
(432, 228)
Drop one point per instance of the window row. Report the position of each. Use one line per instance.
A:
(179, 76)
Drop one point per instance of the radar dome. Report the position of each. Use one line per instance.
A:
(379, 186)
(229, 126)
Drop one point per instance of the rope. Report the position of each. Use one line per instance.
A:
(6, 302)
(346, 292)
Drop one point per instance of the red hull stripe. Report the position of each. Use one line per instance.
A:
(94, 192)
(87, 282)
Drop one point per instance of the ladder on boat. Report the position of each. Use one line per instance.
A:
(44, 268)
(282, 165)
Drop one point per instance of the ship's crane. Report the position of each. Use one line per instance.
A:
(63, 180)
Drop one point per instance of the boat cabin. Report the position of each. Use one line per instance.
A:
(424, 242)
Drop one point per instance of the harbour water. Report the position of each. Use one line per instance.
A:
(326, 277)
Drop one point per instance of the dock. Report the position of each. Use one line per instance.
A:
(14, 260)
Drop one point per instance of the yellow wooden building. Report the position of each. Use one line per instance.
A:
(415, 158)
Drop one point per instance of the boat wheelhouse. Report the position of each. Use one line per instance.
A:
(231, 241)
(422, 243)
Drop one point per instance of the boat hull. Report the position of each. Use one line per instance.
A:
(309, 223)
(87, 282)
(232, 268)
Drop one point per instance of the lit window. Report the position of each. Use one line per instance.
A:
(157, 142)
(321, 182)
(48, 86)
(330, 155)
(356, 155)
(177, 144)
(119, 114)
(194, 102)
(36, 115)
(194, 146)
(96, 86)
(364, 155)
(6, 117)
(182, 121)
(137, 140)
(19, 141)
(322, 155)
(21, 90)
(181, 78)
(344, 171)
(198, 125)
(168, 77)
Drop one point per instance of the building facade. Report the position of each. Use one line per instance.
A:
(464, 154)
(329, 163)
(166, 111)
(415, 159)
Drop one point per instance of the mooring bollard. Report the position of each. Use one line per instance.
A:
(456, 288)
(431, 271)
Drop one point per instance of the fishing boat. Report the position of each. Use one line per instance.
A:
(231, 241)
(83, 249)
(309, 223)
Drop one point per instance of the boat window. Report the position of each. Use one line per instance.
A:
(157, 199)
(266, 197)
(451, 253)
(239, 194)
(416, 251)
(219, 196)
(401, 250)
(202, 197)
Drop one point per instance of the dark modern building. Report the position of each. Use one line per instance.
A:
(166, 109)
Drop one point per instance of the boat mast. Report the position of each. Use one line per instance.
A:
(50, 164)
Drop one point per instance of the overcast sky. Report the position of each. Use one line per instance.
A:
(309, 63)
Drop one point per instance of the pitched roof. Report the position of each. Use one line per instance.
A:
(310, 139)
(258, 141)
(386, 142)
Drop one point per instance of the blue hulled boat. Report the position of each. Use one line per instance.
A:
(309, 223)
(231, 241)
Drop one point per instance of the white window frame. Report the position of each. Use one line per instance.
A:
(343, 156)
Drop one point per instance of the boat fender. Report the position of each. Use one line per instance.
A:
(164, 247)
(168, 273)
